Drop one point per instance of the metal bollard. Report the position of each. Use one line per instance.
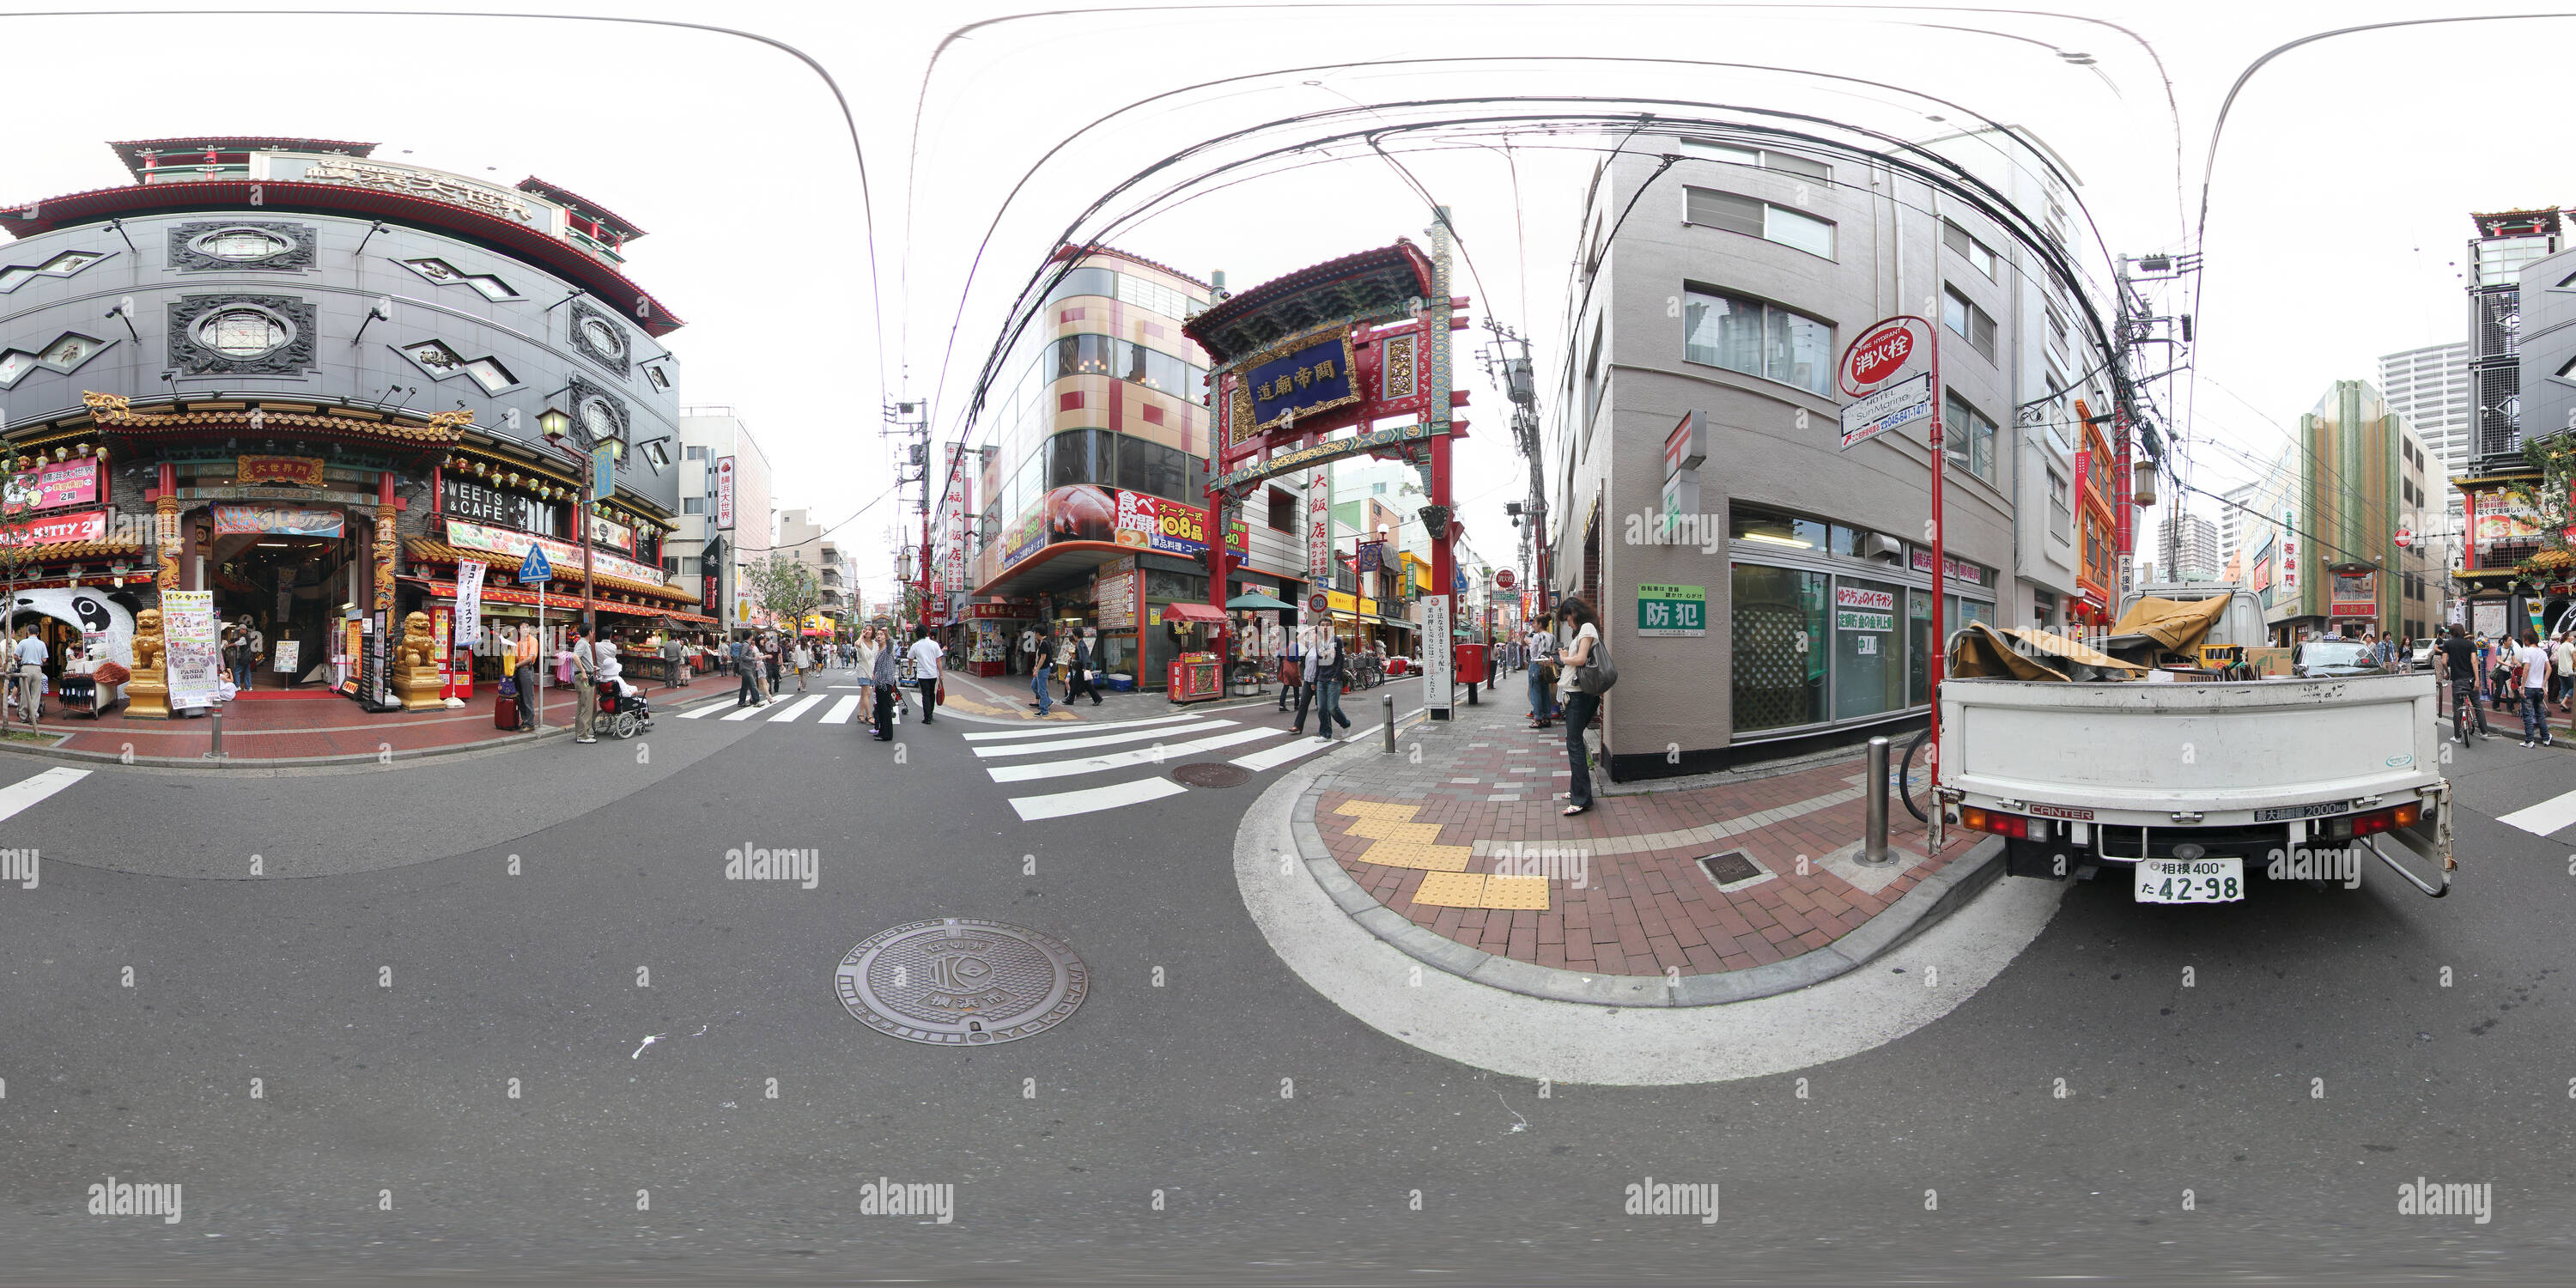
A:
(1387, 705)
(218, 717)
(1874, 840)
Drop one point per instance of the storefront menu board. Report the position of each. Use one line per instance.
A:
(194, 661)
(1672, 610)
(288, 653)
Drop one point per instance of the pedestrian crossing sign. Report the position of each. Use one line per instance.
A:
(534, 568)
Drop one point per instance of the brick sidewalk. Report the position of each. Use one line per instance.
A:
(1470, 845)
(296, 728)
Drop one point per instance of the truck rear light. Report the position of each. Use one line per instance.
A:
(1972, 817)
(1999, 823)
(2410, 814)
(2374, 822)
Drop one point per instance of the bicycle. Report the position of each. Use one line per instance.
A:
(1914, 776)
(2464, 700)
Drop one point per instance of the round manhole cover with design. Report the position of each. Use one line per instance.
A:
(961, 981)
(1212, 773)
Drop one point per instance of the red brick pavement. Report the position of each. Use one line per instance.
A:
(1640, 913)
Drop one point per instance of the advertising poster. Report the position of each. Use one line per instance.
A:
(442, 628)
(56, 484)
(469, 602)
(1437, 658)
(286, 654)
(90, 525)
(724, 493)
(194, 662)
(352, 645)
(1114, 516)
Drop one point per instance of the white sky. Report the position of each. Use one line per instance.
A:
(2337, 219)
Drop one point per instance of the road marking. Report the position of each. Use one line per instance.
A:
(841, 711)
(28, 791)
(849, 686)
(800, 707)
(1113, 796)
(1079, 728)
(1274, 757)
(1124, 759)
(702, 712)
(2540, 820)
(747, 712)
(1104, 740)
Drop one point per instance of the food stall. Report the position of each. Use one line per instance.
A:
(1197, 670)
(992, 630)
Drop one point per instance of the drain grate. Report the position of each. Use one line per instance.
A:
(1730, 868)
(960, 981)
(1212, 773)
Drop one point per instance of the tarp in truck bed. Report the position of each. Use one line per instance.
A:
(2177, 625)
(2019, 653)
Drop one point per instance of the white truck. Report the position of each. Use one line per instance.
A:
(2191, 788)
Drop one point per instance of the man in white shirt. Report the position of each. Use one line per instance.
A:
(926, 655)
(30, 653)
(2535, 702)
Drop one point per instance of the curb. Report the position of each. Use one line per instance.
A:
(1914, 912)
(265, 764)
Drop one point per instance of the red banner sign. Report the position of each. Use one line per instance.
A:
(60, 530)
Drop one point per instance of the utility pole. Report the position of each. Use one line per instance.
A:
(2134, 329)
(909, 420)
(1519, 384)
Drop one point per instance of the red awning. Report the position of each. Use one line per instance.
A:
(1193, 613)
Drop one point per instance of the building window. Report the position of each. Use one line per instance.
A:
(1283, 511)
(1969, 436)
(1968, 247)
(2061, 514)
(693, 505)
(696, 454)
(1963, 316)
(1786, 162)
(1778, 621)
(1592, 381)
(1795, 229)
(1758, 339)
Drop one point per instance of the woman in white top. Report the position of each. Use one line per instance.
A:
(1579, 706)
(865, 653)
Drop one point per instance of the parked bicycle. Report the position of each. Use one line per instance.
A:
(1913, 772)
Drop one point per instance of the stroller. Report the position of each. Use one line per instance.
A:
(623, 711)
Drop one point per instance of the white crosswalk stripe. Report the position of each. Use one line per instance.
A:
(842, 710)
(800, 707)
(1104, 740)
(1089, 799)
(1059, 730)
(1154, 755)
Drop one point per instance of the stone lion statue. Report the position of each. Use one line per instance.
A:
(416, 648)
(147, 640)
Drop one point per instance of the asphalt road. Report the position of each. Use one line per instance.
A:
(2328, 1045)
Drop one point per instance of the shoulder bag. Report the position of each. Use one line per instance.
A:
(1597, 676)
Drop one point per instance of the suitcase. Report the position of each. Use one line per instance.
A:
(505, 713)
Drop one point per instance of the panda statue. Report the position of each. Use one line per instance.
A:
(92, 612)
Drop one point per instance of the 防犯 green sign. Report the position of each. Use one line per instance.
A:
(1672, 610)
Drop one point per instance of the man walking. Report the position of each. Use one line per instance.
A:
(30, 654)
(803, 661)
(1329, 663)
(2564, 657)
(926, 654)
(1292, 672)
(585, 686)
(1038, 668)
(1078, 681)
(1027, 659)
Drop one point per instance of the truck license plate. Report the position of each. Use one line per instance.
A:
(2191, 880)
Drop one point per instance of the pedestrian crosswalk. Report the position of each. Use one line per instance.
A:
(1045, 754)
(1040, 755)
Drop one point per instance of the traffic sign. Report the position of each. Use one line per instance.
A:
(1318, 602)
(2404, 538)
(1505, 579)
(534, 569)
(1901, 403)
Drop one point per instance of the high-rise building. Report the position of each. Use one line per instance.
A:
(2324, 556)
(2187, 548)
(2430, 388)
(1716, 283)
(2499, 532)
(2233, 504)
(725, 522)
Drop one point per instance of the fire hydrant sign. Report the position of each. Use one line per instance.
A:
(1672, 610)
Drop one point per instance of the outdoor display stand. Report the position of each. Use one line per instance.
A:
(1197, 677)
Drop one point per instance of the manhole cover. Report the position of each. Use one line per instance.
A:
(1213, 773)
(960, 981)
(1728, 868)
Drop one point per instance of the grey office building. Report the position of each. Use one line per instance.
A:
(1728, 290)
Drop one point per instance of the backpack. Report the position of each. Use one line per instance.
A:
(1599, 675)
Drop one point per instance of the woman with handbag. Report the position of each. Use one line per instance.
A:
(1587, 675)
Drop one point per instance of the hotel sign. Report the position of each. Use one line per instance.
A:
(431, 184)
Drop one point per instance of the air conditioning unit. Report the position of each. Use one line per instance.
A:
(1882, 546)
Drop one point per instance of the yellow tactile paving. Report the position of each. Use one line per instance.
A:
(1376, 809)
(1429, 858)
(1387, 829)
(1520, 894)
(1452, 890)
